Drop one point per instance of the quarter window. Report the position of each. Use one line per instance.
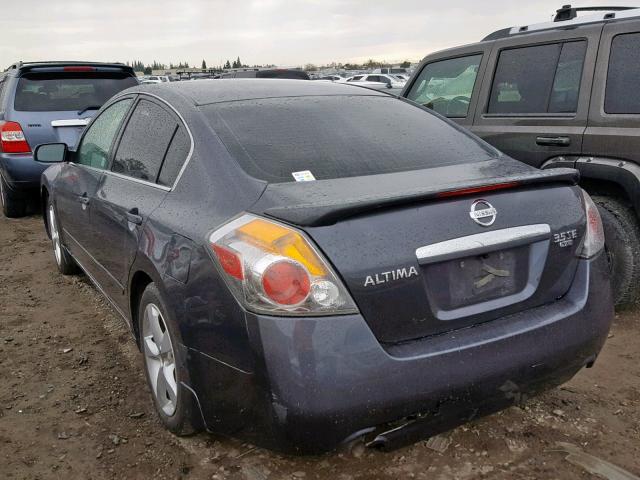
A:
(538, 79)
(622, 95)
(176, 155)
(96, 143)
(145, 142)
(446, 86)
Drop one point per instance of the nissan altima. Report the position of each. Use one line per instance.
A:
(306, 264)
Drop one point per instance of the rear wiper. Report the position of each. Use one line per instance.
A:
(90, 107)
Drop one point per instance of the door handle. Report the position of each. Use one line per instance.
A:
(554, 141)
(83, 199)
(133, 216)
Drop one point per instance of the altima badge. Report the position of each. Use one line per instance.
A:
(483, 213)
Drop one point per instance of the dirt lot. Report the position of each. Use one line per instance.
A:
(74, 402)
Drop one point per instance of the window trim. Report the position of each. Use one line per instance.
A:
(136, 96)
(487, 114)
(480, 53)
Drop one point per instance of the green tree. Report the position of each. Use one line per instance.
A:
(204, 65)
(405, 64)
(147, 70)
(227, 65)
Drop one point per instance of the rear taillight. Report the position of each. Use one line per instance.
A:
(12, 138)
(273, 268)
(594, 236)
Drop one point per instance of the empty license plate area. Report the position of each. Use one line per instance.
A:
(466, 281)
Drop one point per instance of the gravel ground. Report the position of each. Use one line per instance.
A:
(74, 402)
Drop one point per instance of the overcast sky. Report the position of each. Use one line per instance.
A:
(285, 33)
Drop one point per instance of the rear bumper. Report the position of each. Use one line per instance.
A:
(21, 173)
(319, 381)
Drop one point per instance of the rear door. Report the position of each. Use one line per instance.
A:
(78, 181)
(152, 148)
(449, 83)
(614, 120)
(535, 99)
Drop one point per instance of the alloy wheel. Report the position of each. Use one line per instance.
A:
(160, 359)
(55, 235)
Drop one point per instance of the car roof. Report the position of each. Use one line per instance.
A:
(217, 91)
(567, 17)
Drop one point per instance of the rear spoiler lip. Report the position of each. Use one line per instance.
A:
(59, 68)
(328, 213)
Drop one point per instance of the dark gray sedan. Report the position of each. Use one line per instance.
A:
(306, 264)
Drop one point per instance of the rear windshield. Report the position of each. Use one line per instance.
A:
(279, 139)
(68, 91)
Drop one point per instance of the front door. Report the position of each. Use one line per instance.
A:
(534, 103)
(77, 185)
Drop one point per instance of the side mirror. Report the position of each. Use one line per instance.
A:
(51, 153)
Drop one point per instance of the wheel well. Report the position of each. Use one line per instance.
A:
(139, 282)
(44, 198)
(605, 188)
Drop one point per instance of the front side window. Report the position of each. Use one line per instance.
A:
(538, 79)
(144, 142)
(446, 86)
(622, 94)
(96, 143)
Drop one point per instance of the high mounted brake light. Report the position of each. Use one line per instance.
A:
(273, 268)
(473, 190)
(79, 69)
(12, 139)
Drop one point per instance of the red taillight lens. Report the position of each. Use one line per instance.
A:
(229, 261)
(473, 190)
(12, 139)
(286, 283)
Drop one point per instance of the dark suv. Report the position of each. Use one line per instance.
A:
(44, 102)
(289, 73)
(558, 94)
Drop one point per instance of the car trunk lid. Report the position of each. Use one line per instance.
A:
(419, 262)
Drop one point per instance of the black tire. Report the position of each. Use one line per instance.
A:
(11, 207)
(64, 261)
(622, 245)
(186, 418)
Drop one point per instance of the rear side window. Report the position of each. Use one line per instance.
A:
(538, 79)
(145, 142)
(68, 91)
(272, 139)
(622, 94)
(446, 86)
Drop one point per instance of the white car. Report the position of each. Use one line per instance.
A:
(156, 79)
(376, 80)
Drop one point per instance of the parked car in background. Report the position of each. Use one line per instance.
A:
(155, 79)
(557, 94)
(387, 81)
(332, 78)
(289, 73)
(44, 102)
(303, 283)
